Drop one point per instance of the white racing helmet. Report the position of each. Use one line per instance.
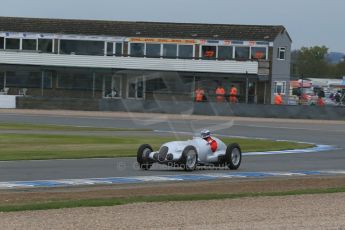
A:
(205, 133)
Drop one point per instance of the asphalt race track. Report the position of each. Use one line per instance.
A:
(329, 133)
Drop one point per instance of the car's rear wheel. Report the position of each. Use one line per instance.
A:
(143, 156)
(189, 158)
(233, 156)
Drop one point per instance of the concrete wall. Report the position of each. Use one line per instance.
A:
(212, 108)
(7, 102)
(57, 103)
(217, 109)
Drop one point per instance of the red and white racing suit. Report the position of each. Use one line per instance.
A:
(213, 144)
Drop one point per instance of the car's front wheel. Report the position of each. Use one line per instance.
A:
(143, 156)
(189, 158)
(233, 156)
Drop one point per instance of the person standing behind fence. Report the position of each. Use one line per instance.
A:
(233, 95)
(220, 94)
(199, 95)
(278, 99)
(320, 101)
(337, 97)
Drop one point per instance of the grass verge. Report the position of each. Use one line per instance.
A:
(150, 199)
(49, 146)
(40, 127)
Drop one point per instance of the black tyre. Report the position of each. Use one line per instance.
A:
(189, 158)
(233, 156)
(143, 156)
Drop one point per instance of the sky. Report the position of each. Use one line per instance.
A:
(309, 22)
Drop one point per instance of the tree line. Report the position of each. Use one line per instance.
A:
(311, 62)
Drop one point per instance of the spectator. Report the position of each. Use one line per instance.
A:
(220, 94)
(209, 53)
(298, 92)
(321, 93)
(251, 94)
(233, 94)
(337, 97)
(278, 99)
(320, 101)
(199, 95)
(331, 96)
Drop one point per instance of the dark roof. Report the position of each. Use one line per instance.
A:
(141, 29)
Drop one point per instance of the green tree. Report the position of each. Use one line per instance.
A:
(294, 65)
(311, 62)
(340, 68)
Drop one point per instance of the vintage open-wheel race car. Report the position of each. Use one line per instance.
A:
(190, 153)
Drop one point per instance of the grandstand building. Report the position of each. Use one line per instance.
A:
(59, 58)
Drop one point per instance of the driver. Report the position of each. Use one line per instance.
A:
(206, 135)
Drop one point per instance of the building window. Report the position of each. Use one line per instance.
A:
(98, 83)
(29, 44)
(209, 52)
(185, 51)
(170, 84)
(131, 88)
(242, 52)
(135, 87)
(137, 49)
(2, 43)
(169, 50)
(153, 50)
(110, 48)
(48, 80)
(281, 53)
(2, 80)
(258, 52)
(225, 52)
(118, 49)
(280, 87)
(24, 79)
(12, 43)
(155, 84)
(77, 81)
(45, 45)
(78, 47)
(110, 84)
(140, 88)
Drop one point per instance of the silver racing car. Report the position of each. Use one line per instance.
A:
(191, 153)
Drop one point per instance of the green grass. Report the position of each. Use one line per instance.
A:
(49, 146)
(40, 127)
(149, 199)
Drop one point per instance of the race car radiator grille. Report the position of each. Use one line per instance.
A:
(163, 151)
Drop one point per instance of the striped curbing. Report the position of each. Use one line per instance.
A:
(317, 148)
(163, 178)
